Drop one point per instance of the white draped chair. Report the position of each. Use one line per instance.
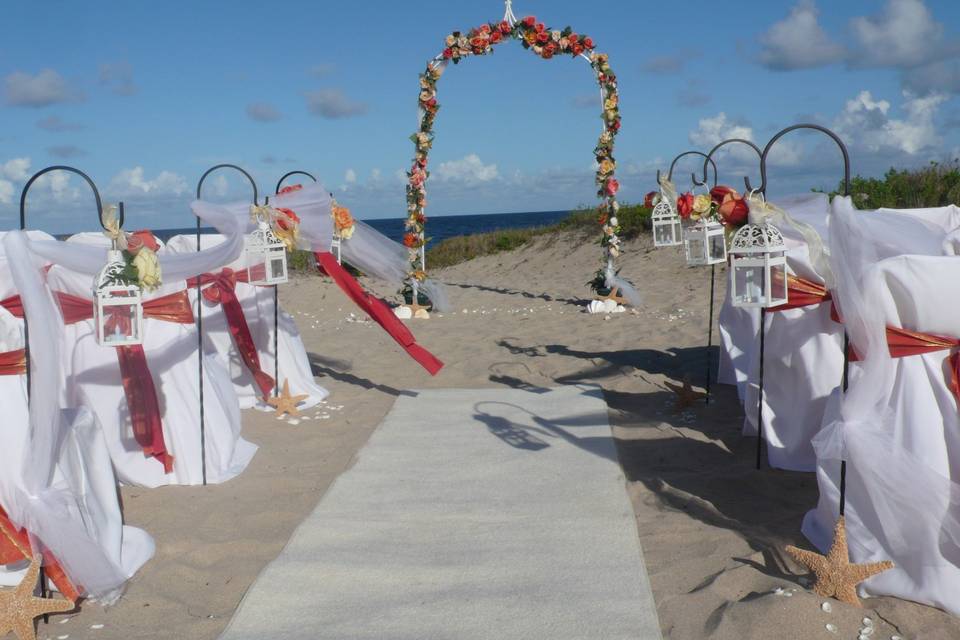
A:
(83, 471)
(898, 426)
(258, 309)
(171, 353)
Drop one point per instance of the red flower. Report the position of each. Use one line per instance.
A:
(685, 205)
(613, 186)
(648, 199)
(577, 48)
(495, 37)
(547, 54)
(719, 192)
(448, 53)
(540, 28)
(543, 37)
(290, 214)
(411, 240)
(478, 43)
(506, 27)
(734, 210)
(551, 47)
(292, 187)
(615, 125)
(588, 43)
(602, 219)
(573, 38)
(529, 21)
(484, 28)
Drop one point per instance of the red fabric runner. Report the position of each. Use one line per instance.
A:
(222, 290)
(13, 363)
(138, 386)
(378, 310)
(15, 546)
(802, 293)
(903, 343)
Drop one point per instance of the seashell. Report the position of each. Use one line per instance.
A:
(867, 622)
(422, 314)
(404, 313)
(827, 607)
(832, 628)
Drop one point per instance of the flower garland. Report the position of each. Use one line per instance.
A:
(140, 266)
(723, 203)
(343, 222)
(546, 43)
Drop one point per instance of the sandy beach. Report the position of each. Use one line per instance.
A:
(712, 527)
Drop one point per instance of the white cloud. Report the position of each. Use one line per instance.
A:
(903, 35)
(333, 104)
(6, 192)
(119, 77)
(468, 170)
(58, 125)
(798, 41)
(376, 175)
(41, 90)
(263, 112)
(350, 177)
(17, 169)
(711, 131)
(866, 123)
(132, 182)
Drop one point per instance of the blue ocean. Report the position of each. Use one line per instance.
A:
(442, 227)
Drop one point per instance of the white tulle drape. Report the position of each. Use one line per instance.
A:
(367, 249)
(901, 503)
(37, 505)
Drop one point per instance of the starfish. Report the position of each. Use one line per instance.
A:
(615, 296)
(286, 403)
(19, 607)
(686, 396)
(836, 576)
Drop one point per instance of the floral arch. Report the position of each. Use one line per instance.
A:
(547, 43)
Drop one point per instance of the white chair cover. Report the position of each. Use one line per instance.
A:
(257, 303)
(105, 552)
(898, 426)
(171, 350)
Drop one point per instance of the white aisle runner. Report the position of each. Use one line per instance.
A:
(470, 513)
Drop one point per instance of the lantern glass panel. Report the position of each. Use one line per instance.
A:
(695, 249)
(278, 266)
(778, 283)
(749, 283)
(663, 234)
(118, 316)
(718, 247)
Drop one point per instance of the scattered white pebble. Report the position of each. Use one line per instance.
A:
(96, 626)
(867, 622)
(827, 607)
(293, 422)
(64, 621)
(63, 637)
(832, 628)
(788, 593)
(896, 638)
(778, 591)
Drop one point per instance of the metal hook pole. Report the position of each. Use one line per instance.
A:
(753, 146)
(203, 431)
(689, 153)
(783, 132)
(292, 173)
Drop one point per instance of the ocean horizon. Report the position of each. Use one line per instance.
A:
(439, 228)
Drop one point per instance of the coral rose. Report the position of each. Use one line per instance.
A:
(529, 21)
(719, 192)
(411, 240)
(613, 186)
(734, 210)
(648, 199)
(685, 205)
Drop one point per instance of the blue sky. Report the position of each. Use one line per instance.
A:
(146, 96)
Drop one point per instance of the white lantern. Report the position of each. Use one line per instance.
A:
(667, 228)
(706, 244)
(117, 305)
(758, 268)
(266, 256)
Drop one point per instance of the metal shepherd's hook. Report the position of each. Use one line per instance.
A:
(763, 190)
(203, 434)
